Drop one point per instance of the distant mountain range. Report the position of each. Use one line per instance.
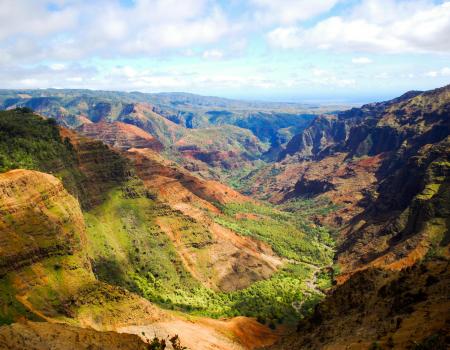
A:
(172, 117)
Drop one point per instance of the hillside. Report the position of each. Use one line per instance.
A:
(122, 224)
(40, 335)
(120, 135)
(146, 226)
(385, 167)
(356, 159)
(379, 309)
(47, 276)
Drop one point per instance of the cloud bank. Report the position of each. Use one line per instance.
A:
(218, 46)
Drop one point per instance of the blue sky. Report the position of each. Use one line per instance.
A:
(291, 50)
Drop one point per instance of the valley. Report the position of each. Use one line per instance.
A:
(128, 218)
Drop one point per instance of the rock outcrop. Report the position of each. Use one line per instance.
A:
(120, 135)
(43, 336)
(38, 219)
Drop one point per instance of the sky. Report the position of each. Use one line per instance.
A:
(323, 51)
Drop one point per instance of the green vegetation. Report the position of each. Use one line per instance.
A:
(129, 249)
(291, 235)
(309, 207)
(429, 191)
(240, 178)
(28, 141)
(269, 300)
(31, 142)
(10, 307)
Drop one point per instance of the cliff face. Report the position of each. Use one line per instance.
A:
(394, 127)
(381, 309)
(324, 132)
(385, 166)
(145, 117)
(408, 217)
(39, 219)
(43, 242)
(98, 169)
(352, 131)
(120, 135)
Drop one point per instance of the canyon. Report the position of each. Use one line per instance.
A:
(128, 218)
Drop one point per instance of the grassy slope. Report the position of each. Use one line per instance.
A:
(129, 249)
(290, 235)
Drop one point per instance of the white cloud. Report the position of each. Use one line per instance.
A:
(319, 72)
(115, 44)
(57, 66)
(444, 72)
(432, 74)
(31, 18)
(213, 54)
(285, 37)
(382, 76)
(424, 27)
(75, 79)
(361, 60)
(15, 76)
(78, 29)
(323, 77)
(290, 11)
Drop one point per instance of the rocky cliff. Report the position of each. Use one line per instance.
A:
(39, 219)
(120, 135)
(385, 167)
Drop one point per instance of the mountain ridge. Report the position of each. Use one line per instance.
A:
(368, 187)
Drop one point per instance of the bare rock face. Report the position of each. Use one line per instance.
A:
(120, 135)
(44, 336)
(325, 131)
(408, 218)
(38, 219)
